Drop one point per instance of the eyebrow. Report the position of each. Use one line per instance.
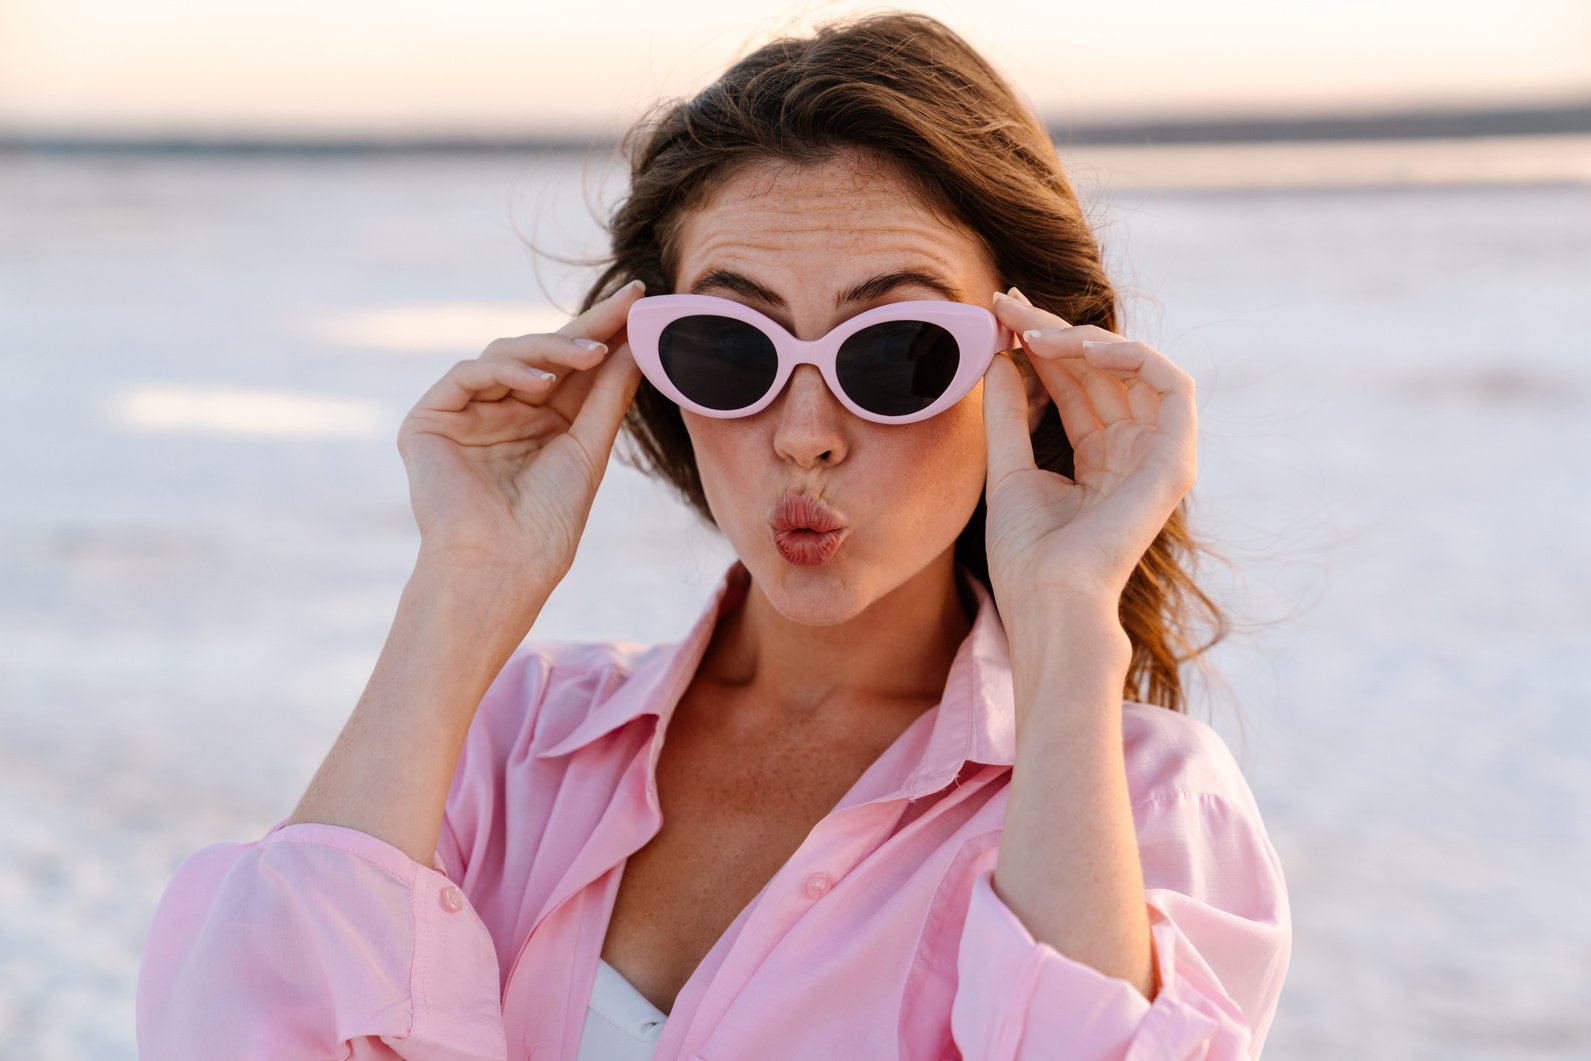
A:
(879, 285)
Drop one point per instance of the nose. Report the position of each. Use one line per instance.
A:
(811, 426)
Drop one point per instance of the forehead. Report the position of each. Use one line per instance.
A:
(826, 220)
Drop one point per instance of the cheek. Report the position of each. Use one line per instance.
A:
(924, 475)
(944, 462)
(957, 434)
(723, 455)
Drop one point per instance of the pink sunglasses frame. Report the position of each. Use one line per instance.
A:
(977, 331)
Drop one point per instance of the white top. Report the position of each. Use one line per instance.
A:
(621, 1025)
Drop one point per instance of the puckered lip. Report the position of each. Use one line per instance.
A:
(804, 512)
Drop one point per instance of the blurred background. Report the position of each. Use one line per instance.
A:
(239, 239)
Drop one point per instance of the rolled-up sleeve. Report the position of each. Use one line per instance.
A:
(317, 941)
(1217, 909)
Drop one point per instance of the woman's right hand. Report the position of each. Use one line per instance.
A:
(504, 462)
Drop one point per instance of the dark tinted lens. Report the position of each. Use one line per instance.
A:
(897, 367)
(718, 362)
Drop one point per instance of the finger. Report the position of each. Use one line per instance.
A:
(1106, 389)
(1050, 338)
(607, 316)
(548, 350)
(477, 379)
(1106, 392)
(582, 343)
(1173, 388)
(613, 387)
(530, 390)
(1015, 312)
(1142, 398)
(1144, 401)
(1005, 420)
(1071, 401)
(1057, 337)
(1125, 379)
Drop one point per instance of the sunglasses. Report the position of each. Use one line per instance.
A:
(893, 364)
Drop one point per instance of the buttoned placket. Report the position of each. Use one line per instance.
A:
(575, 919)
(829, 853)
(575, 922)
(837, 845)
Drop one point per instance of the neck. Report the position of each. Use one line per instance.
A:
(894, 654)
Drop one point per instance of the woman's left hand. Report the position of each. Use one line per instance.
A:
(1129, 413)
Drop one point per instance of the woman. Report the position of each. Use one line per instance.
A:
(895, 793)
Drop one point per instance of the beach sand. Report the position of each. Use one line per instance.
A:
(206, 531)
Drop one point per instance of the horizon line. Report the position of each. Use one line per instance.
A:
(1567, 118)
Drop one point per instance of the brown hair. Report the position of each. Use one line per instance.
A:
(904, 89)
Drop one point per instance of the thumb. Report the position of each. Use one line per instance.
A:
(596, 425)
(1005, 419)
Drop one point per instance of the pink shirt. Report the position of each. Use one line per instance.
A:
(881, 937)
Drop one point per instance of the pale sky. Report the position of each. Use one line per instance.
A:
(459, 66)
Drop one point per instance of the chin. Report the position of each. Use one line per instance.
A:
(812, 594)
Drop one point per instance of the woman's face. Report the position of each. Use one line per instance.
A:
(797, 240)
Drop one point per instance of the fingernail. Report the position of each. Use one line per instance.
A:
(1037, 333)
(638, 284)
(592, 344)
(998, 295)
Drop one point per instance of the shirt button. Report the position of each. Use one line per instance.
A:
(452, 899)
(818, 885)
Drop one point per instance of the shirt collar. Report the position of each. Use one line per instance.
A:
(973, 722)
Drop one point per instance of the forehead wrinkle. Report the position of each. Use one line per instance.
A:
(735, 233)
(769, 233)
(855, 188)
(876, 286)
(727, 253)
